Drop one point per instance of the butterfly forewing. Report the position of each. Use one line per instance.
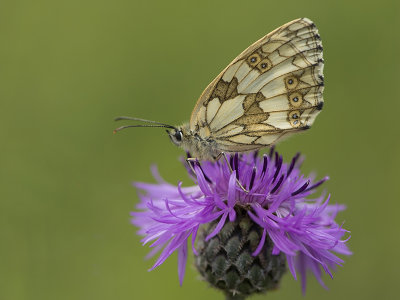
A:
(271, 89)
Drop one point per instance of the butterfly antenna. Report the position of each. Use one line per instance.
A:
(140, 120)
(157, 124)
(144, 125)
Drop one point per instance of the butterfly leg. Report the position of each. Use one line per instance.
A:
(230, 169)
(189, 161)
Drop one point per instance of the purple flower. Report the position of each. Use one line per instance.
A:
(277, 201)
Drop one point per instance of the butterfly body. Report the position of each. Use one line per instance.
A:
(270, 91)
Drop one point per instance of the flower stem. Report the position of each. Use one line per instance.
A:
(229, 296)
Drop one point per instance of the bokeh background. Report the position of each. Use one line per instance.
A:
(67, 68)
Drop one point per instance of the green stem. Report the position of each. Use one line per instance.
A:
(229, 296)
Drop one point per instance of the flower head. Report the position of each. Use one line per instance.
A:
(276, 204)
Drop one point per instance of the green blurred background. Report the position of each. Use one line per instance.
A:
(67, 68)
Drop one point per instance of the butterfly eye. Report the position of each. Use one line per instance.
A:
(178, 135)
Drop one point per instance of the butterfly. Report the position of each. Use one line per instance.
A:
(270, 91)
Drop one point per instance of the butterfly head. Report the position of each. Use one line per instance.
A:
(180, 135)
(176, 136)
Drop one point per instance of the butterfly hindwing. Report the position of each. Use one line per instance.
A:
(271, 89)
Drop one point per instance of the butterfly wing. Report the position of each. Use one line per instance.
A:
(270, 90)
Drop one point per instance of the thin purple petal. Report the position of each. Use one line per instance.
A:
(261, 244)
(217, 228)
(182, 258)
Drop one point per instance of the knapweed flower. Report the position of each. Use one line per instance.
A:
(244, 238)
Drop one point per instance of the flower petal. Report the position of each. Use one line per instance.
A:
(182, 258)
(218, 228)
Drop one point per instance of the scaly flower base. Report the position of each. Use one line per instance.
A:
(226, 261)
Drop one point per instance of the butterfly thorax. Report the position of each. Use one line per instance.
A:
(203, 148)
